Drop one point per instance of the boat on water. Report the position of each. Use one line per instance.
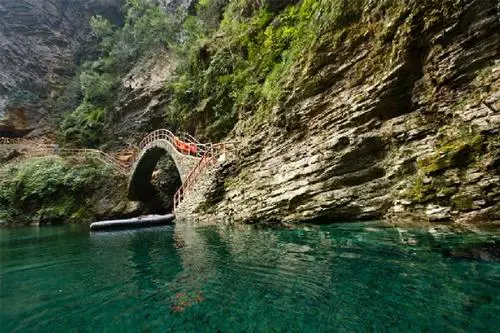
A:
(132, 223)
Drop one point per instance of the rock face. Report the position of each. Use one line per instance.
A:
(40, 45)
(403, 127)
(142, 98)
(142, 101)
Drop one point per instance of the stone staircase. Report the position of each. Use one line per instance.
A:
(196, 195)
(193, 188)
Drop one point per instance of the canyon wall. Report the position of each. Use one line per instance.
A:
(403, 124)
(41, 45)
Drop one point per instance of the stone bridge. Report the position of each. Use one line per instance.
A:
(190, 157)
(185, 153)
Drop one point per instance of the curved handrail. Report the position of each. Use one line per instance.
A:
(181, 146)
(184, 147)
(210, 158)
(188, 145)
(208, 154)
(188, 137)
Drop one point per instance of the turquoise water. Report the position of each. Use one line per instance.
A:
(338, 278)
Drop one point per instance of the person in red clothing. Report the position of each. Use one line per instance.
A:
(181, 146)
(193, 149)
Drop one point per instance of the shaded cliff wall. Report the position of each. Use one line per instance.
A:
(393, 115)
(141, 95)
(41, 43)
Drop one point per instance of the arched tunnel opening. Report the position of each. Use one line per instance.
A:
(155, 182)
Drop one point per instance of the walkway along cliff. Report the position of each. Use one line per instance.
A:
(191, 158)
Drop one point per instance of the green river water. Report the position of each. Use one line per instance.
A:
(357, 277)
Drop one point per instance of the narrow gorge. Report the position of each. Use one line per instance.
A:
(308, 166)
(362, 111)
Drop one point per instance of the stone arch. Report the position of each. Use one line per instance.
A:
(139, 186)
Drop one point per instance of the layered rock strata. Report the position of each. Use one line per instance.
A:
(403, 127)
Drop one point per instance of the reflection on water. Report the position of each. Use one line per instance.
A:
(339, 278)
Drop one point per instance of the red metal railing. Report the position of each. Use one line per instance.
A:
(210, 158)
(209, 154)
(186, 145)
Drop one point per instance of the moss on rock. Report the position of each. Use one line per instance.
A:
(52, 190)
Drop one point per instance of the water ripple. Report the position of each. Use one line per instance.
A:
(339, 278)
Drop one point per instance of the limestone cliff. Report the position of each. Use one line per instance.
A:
(41, 42)
(392, 112)
(141, 102)
(385, 119)
(142, 97)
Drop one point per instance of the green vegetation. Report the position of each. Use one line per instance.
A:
(439, 173)
(50, 189)
(239, 59)
(84, 125)
(456, 149)
(243, 68)
(146, 30)
(265, 54)
(462, 202)
(93, 94)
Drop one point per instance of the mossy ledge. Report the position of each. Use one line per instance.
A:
(51, 190)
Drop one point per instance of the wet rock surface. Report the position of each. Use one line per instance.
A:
(482, 251)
